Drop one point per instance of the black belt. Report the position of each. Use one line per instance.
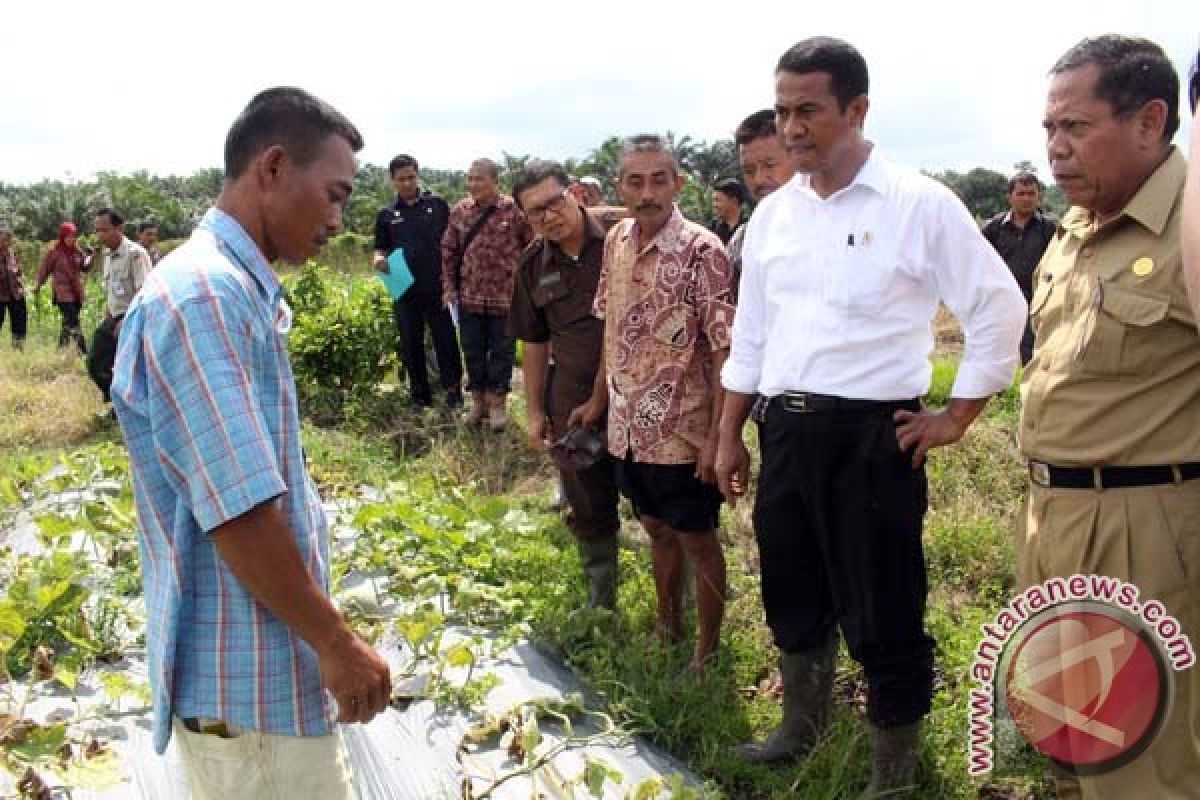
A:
(810, 402)
(1052, 477)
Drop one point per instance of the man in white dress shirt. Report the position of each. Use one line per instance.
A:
(843, 269)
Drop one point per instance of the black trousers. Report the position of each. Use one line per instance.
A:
(838, 521)
(103, 353)
(71, 331)
(18, 314)
(413, 313)
(489, 351)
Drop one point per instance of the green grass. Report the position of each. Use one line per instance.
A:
(437, 471)
(976, 489)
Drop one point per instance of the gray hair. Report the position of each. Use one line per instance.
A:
(646, 143)
(489, 166)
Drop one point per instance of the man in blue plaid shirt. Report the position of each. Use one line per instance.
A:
(243, 640)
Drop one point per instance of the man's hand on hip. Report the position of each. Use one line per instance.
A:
(921, 431)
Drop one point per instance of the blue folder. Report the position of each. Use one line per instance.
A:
(399, 277)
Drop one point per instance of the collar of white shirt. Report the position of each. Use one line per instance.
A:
(873, 174)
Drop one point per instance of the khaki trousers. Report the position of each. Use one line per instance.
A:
(263, 766)
(1150, 537)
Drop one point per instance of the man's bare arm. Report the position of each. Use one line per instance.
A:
(259, 549)
(534, 366)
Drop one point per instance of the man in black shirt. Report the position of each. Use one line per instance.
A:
(416, 222)
(1020, 235)
(728, 196)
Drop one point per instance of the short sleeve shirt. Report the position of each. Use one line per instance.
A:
(206, 400)
(1115, 375)
(124, 272)
(667, 308)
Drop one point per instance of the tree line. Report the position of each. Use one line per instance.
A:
(175, 203)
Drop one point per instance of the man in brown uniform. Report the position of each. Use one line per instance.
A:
(552, 311)
(1110, 417)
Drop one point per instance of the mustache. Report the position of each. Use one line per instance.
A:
(647, 205)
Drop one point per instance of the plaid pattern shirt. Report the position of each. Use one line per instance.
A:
(205, 396)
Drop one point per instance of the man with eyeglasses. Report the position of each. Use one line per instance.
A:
(551, 313)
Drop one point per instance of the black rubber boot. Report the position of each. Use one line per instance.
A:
(598, 556)
(807, 707)
(893, 762)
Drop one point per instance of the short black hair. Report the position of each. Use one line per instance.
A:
(1133, 72)
(145, 226)
(400, 162)
(534, 173)
(489, 166)
(759, 125)
(731, 188)
(1024, 178)
(114, 218)
(846, 67)
(289, 117)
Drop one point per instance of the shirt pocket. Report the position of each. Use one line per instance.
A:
(858, 283)
(1118, 319)
(548, 292)
(560, 304)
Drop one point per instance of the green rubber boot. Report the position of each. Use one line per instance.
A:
(598, 556)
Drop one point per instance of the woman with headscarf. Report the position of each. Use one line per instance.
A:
(65, 264)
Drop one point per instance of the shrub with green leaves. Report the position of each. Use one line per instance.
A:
(342, 335)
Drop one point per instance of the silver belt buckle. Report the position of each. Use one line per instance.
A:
(1039, 473)
(796, 402)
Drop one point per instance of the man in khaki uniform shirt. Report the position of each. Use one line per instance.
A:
(124, 272)
(1110, 418)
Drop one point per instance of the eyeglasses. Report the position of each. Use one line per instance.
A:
(555, 204)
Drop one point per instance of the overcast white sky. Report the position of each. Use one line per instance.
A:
(154, 85)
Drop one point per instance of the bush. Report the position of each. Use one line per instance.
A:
(348, 252)
(342, 337)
